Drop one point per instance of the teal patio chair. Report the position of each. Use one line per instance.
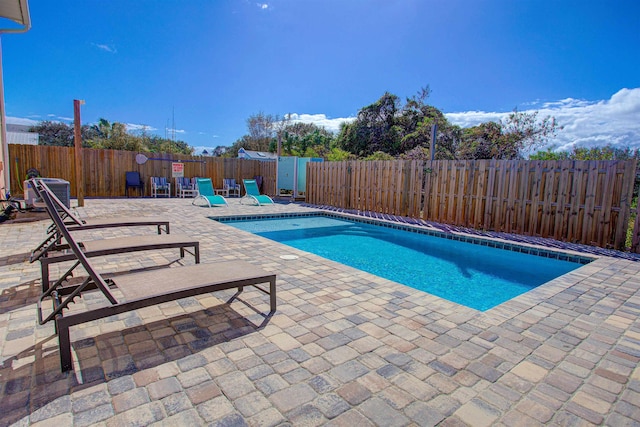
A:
(208, 194)
(253, 193)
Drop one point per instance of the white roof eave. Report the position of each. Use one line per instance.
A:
(17, 11)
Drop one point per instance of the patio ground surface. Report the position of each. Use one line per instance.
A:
(344, 348)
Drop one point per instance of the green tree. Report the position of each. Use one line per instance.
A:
(400, 130)
(338, 155)
(549, 154)
(61, 134)
(104, 134)
(406, 131)
(375, 129)
(524, 132)
(306, 140)
(261, 136)
(379, 155)
(261, 126)
(511, 138)
(54, 133)
(114, 136)
(607, 152)
(484, 141)
(417, 153)
(157, 144)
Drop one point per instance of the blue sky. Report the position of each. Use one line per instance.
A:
(203, 67)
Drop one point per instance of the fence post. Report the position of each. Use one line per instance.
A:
(77, 139)
(635, 240)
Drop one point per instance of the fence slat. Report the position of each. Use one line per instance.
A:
(626, 194)
(589, 203)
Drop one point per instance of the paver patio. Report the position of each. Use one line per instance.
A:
(345, 348)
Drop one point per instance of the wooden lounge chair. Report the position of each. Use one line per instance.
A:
(94, 248)
(252, 193)
(140, 289)
(208, 194)
(73, 223)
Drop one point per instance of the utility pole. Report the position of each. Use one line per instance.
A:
(77, 139)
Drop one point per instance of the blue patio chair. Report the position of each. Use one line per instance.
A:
(185, 187)
(230, 187)
(160, 186)
(133, 180)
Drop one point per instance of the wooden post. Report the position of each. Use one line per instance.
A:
(434, 132)
(77, 139)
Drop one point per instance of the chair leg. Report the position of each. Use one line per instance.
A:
(272, 294)
(64, 346)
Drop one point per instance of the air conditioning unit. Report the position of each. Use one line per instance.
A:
(59, 187)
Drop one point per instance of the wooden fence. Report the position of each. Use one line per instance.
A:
(104, 170)
(575, 201)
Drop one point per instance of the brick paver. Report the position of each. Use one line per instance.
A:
(345, 348)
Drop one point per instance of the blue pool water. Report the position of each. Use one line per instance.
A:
(477, 276)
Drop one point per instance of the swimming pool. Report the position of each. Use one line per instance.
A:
(475, 275)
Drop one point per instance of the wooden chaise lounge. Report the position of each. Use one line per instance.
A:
(141, 289)
(73, 223)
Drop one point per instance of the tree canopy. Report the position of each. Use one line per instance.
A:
(108, 136)
(608, 152)
(405, 130)
(261, 136)
(387, 128)
(266, 132)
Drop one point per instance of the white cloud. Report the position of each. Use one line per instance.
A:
(22, 121)
(332, 125)
(32, 122)
(171, 131)
(473, 118)
(131, 127)
(106, 47)
(586, 123)
(263, 6)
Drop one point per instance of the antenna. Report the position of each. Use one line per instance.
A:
(173, 124)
